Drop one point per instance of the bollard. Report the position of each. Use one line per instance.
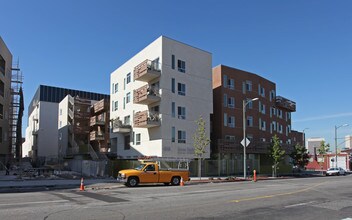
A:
(254, 176)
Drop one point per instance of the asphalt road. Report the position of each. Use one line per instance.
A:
(305, 198)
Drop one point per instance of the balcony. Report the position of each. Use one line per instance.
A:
(285, 103)
(97, 120)
(96, 136)
(147, 71)
(147, 119)
(35, 132)
(99, 106)
(146, 95)
(119, 127)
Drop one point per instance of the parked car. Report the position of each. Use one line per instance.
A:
(335, 172)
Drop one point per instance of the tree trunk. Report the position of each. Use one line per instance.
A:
(199, 168)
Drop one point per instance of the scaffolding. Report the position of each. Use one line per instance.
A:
(15, 119)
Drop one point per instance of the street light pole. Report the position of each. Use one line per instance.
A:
(337, 127)
(245, 103)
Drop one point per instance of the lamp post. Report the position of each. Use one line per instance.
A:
(245, 103)
(337, 127)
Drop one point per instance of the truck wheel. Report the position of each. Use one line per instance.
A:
(132, 181)
(175, 181)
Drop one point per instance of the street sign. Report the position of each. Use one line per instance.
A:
(247, 142)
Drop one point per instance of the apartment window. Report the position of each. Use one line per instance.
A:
(272, 95)
(224, 79)
(115, 105)
(261, 91)
(279, 112)
(128, 97)
(173, 85)
(181, 65)
(2, 88)
(280, 129)
(124, 102)
(231, 84)
(181, 136)
(127, 142)
(248, 86)
(225, 100)
(231, 122)
(231, 102)
(225, 119)
(249, 121)
(250, 104)
(2, 65)
(60, 124)
(263, 126)
(127, 120)
(1, 111)
(181, 89)
(173, 61)
(173, 109)
(173, 134)
(116, 87)
(128, 78)
(138, 139)
(60, 111)
(261, 108)
(274, 125)
(229, 137)
(124, 83)
(181, 112)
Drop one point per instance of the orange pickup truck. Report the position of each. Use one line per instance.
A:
(149, 172)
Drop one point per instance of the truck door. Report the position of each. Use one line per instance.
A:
(149, 174)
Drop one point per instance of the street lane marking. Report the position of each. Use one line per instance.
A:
(276, 195)
(28, 203)
(299, 204)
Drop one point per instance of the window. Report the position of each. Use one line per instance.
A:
(150, 167)
(181, 137)
(115, 105)
(128, 97)
(138, 139)
(250, 104)
(225, 119)
(231, 84)
(60, 125)
(127, 142)
(272, 95)
(274, 125)
(229, 137)
(263, 126)
(261, 91)
(128, 78)
(124, 83)
(173, 61)
(116, 87)
(248, 86)
(2, 88)
(60, 111)
(181, 112)
(225, 100)
(249, 121)
(181, 89)
(261, 108)
(173, 134)
(173, 85)
(231, 122)
(224, 78)
(181, 65)
(173, 109)
(231, 102)
(124, 102)
(127, 120)
(279, 113)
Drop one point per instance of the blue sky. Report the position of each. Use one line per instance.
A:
(305, 47)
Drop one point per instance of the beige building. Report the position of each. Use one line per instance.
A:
(5, 100)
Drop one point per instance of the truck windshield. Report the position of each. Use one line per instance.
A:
(140, 167)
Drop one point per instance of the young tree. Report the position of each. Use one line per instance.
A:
(201, 141)
(277, 154)
(300, 156)
(324, 148)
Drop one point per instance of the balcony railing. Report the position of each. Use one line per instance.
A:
(147, 71)
(97, 120)
(146, 95)
(147, 119)
(285, 103)
(99, 106)
(119, 127)
(96, 136)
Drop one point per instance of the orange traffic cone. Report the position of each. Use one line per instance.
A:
(82, 185)
(182, 183)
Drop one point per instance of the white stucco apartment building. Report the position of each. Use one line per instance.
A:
(157, 96)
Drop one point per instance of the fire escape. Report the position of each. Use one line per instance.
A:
(16, 113)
